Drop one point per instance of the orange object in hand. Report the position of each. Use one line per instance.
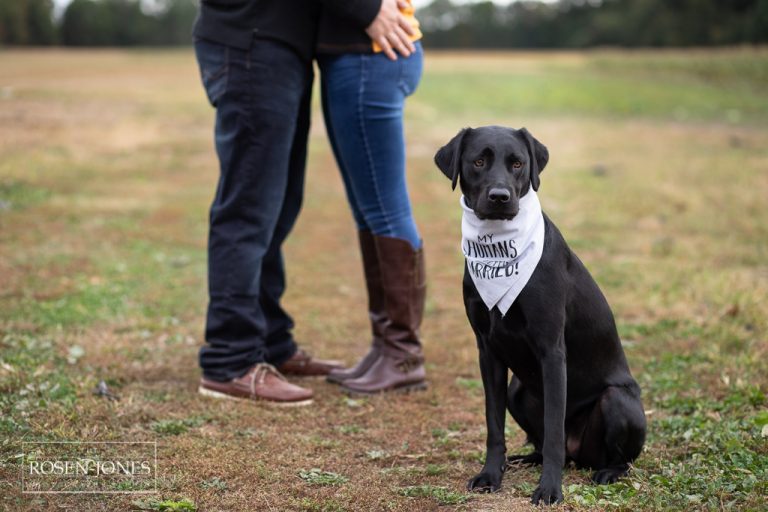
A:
(410, 13)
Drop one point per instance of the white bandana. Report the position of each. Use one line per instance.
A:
(502, 254)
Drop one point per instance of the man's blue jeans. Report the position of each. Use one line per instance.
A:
(363, 97)
(262, 101)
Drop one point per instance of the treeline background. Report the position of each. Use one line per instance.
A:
(446, 24)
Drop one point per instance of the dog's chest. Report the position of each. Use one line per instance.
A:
(510, 341)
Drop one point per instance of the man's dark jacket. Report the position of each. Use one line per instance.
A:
(294, 22)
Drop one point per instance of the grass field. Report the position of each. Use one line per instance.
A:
(658, 178)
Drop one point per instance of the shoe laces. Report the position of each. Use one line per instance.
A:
(260, 372)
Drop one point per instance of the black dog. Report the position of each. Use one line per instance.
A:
(571, 390)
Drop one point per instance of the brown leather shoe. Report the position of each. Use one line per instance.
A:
(262, 383)
(301, 364)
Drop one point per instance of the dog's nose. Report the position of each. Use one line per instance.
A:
(498, 195)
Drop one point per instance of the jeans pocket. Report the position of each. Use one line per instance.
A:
(410, 70)
(213, 60)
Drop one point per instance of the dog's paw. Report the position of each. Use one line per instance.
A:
(610, 475)
(547, 495)
(485, 482)
(532, 459)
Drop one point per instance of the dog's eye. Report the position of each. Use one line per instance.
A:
(517, 165)
(479, 162)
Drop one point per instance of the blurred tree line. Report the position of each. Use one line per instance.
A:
(97, 22)
(583, 23)
(446, 23)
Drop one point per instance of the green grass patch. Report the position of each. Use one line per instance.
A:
(376, 454)
(672, 86)
(442, 495)
(215, 484)
(616, 495)
(325, 505)
(166, 505)
(16, 195)
(143, 281)
(175, 427)
(33, 377)
(349, 429)
(435, 469)
(702, 451)
(746, 69)
(87, 303)
(472, 385)
(317, 476)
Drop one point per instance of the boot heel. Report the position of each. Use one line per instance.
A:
(334, 379)
(411, 388)
(397, 390)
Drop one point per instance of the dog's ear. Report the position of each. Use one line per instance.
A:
(538, 155)
(448, 157)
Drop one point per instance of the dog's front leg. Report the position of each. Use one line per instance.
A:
(494, 374)
(554, 377)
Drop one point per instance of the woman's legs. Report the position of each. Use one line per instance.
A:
(376, 307)
(363, 98)
(339, 155)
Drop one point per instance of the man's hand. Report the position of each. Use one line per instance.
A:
(391, 30)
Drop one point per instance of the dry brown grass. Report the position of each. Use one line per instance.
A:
(669, 216)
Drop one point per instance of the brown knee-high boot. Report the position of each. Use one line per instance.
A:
(400, 364)
(376, 310)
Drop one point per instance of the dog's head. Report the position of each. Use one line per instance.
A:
(495, 166)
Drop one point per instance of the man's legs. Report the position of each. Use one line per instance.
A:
(363, 98)
(279, 340)
(282, 351)
(257, 95)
